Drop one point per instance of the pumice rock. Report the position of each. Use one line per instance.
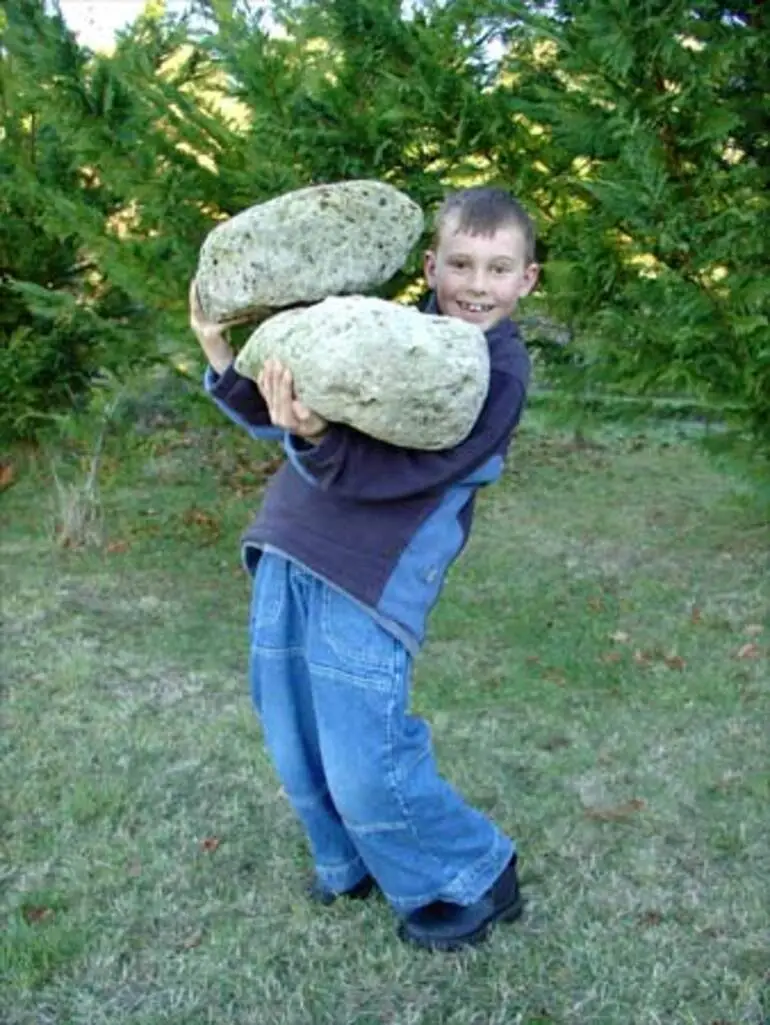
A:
(408, 378)
(339, 239)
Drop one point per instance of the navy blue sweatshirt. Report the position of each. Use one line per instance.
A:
(381, 523)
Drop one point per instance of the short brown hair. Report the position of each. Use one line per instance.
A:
(483, 209)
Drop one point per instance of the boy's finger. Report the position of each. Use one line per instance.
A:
(285, 391)
(194, 303)
(274, 397)
(301, 411)
(275, 379)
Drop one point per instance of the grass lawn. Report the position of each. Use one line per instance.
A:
(597, 677)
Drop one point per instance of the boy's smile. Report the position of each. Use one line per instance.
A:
(479, 278)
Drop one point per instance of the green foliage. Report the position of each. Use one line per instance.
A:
(634, 132)
(657, 173)
(356, 90)
(61, 322)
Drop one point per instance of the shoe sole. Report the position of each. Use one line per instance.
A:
(508, 914)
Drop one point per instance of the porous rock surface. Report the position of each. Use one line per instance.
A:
(337, 239)
(408, 378)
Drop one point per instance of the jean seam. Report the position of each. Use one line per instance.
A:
(386, 668)
(274, 608)
(366, 683)
(273, 651)
(400, 798)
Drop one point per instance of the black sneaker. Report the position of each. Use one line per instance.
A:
(318, 893)
(445, 926)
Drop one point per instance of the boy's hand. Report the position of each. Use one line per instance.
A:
(277, 387)
(210, 335)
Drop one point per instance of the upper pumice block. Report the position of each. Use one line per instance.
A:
(338, 239)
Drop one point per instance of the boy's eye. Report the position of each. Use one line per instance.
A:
(458, 262)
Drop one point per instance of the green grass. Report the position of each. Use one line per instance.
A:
(585, 688)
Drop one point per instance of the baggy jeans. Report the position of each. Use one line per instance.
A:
(331, 689)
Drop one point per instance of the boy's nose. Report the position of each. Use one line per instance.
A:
(478, 282)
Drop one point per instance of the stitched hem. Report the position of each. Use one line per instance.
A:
(474, 881)
(375, 827)
(341, 875)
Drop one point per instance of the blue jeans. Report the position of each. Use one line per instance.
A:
(331, 688)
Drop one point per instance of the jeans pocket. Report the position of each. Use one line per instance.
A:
(355, 638)
(268, 596)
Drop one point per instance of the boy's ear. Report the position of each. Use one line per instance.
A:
(429, 268)
(531, 274)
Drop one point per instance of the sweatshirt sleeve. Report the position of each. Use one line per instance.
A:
(355, 466)
(241, 401)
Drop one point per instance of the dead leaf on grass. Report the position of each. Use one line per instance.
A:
(695, 615)
(612, 656)
(533, 659)
(7, 475)
(207, 523)
(36, 913)
(642, 658)
(554, 676)
(117, 547)
(753, 629)
(674, 661)
(200, 518)
(266, 467)
(617, 814)
(249, 476)
(193, 940)
(595, 604)
(134, 868)
(210, 844)
(651, 918)
(748, 651)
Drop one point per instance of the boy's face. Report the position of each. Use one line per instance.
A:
(479, 278)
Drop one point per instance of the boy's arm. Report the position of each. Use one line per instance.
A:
(237, 397)
(241, 401)
(355, 466)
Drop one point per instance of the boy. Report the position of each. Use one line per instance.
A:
(349, 553)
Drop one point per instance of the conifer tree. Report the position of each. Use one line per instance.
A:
(55, 320)
(634, 130)
(654, 122)
(108, 165)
